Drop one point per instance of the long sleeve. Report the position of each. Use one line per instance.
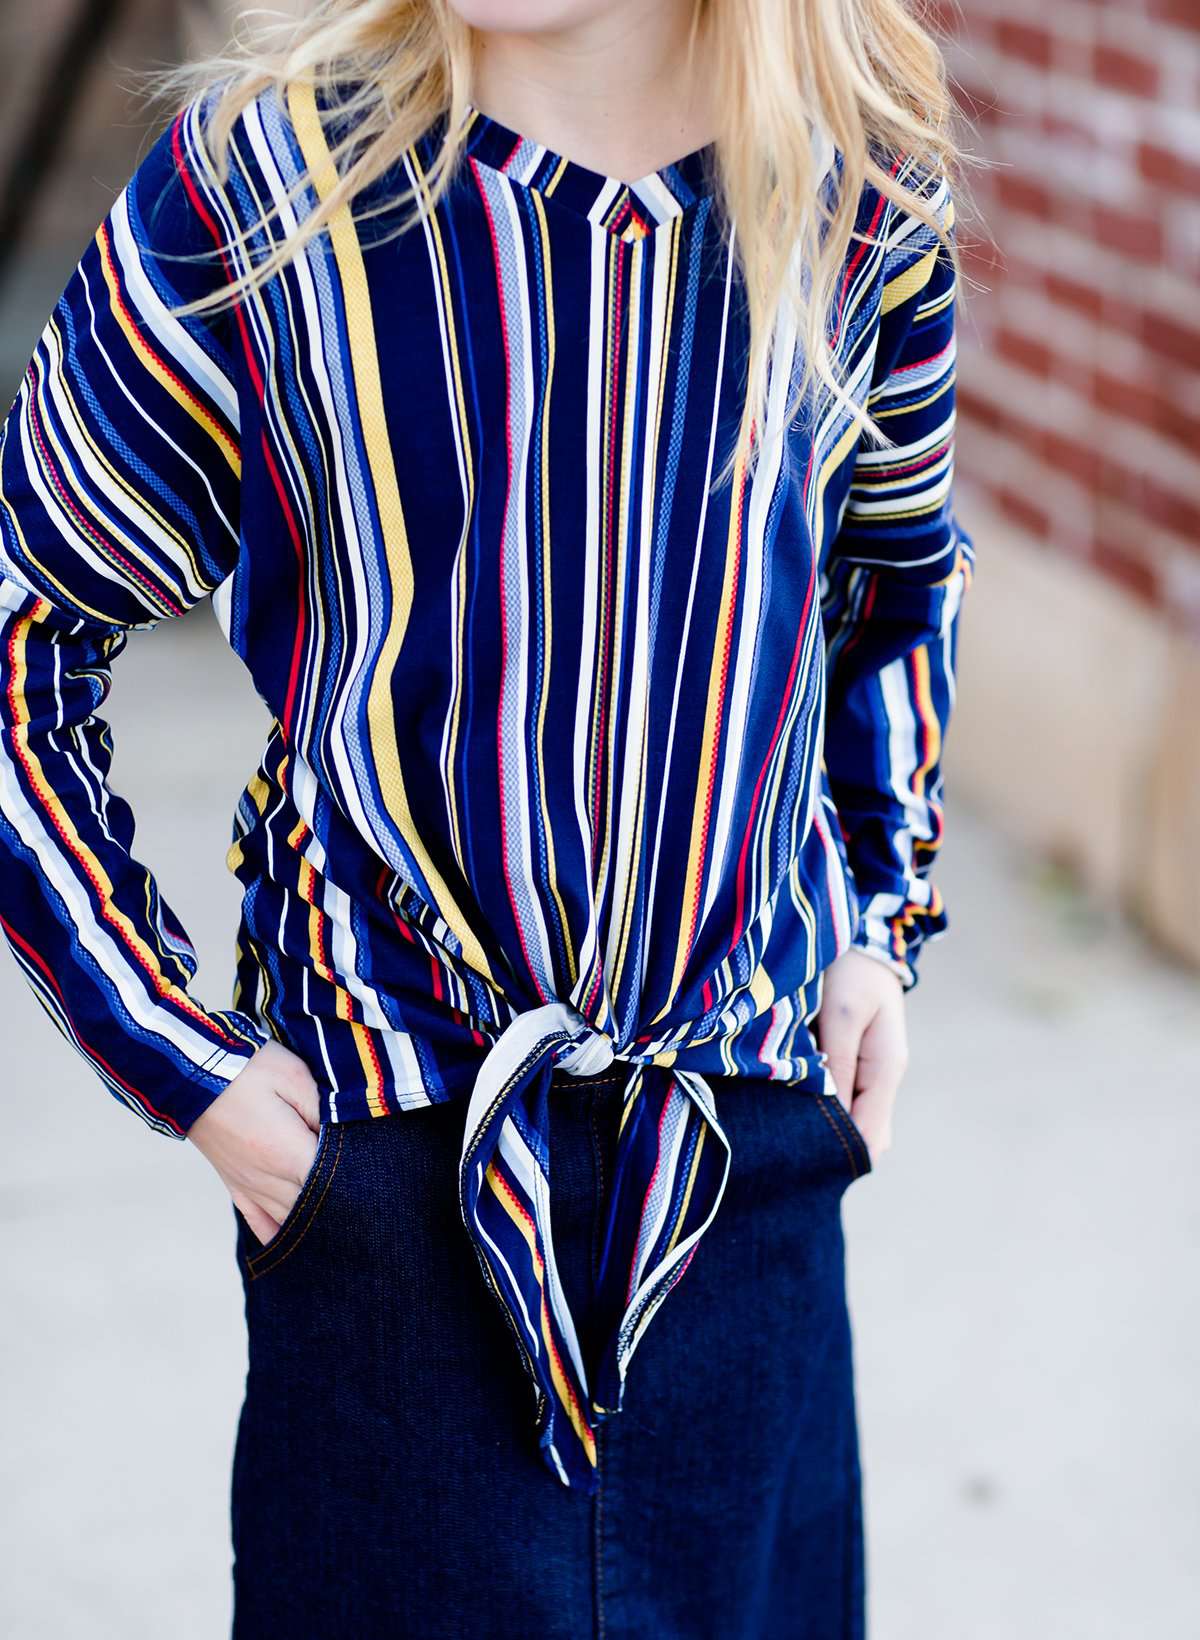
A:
(119, 493)
(892, 591)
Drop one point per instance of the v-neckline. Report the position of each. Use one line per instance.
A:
(628, 209)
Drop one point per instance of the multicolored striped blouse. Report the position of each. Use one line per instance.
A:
(575, 755)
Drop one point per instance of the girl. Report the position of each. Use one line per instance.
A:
(557, 399)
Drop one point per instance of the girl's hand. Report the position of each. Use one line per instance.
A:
(861, 1028)
(260, 1135)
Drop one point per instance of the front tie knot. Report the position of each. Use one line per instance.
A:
(591, 1053)
(672, 1164)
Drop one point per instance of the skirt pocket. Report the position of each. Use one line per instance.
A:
(304, 1210)
(846, 1133)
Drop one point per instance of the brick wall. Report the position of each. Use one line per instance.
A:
(1080, 375)
(1078, 719)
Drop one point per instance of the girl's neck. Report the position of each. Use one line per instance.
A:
(612, 92)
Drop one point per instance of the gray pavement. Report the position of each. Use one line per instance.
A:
(1022, 1264)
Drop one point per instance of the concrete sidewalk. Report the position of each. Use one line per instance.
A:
(1022, 1264)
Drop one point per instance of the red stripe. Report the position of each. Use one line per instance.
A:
(93, 1053)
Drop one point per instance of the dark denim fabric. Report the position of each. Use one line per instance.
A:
(386, 1479)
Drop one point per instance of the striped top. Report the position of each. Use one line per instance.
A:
(574, 755)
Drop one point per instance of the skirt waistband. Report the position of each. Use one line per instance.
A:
(613, 1076)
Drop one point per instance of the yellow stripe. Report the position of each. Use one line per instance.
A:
(928, 717)
(801, 902)
(936, 304)
(364, 1042)
(945, 383)
(203, 418)
(960, 562)
(458, 844)
(66, 838)
(306, 877)
(761, 989)
(909, 282)
(567, 1401)
(701, 821)
(504, 1196)
(306, 884)
(627, 912)
(152, 593)
(633, 345)
(544, 784)
(693, 1173)
(372, 418)
(624, 911)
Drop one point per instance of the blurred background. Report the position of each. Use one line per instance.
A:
(1022, 1264)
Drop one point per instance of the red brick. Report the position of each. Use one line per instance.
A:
(1181, 426)
(1018, 506)
(979, 105)
(1172, 509)
(1029, 435)
(1074, 458)
(1073, 293)
(975, 407)
(1022, 193)
(984, 260)
(1168, 168)
(1125, 71)
(1132, 401)
(1009, 270)
(1120, 561)
(1120, 484)
(1156, 407)
(1028, 353)
(1138, 234)
(1122, 393)
(1183, 13)
(1171, 338)
(944, 18)
(1028, 41)
(990, 413)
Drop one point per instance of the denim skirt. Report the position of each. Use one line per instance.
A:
(386, 1477)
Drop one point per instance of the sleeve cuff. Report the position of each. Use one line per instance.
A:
(878, 944)
(204, 1085)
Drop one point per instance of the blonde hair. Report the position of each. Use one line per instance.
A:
(865, 71)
